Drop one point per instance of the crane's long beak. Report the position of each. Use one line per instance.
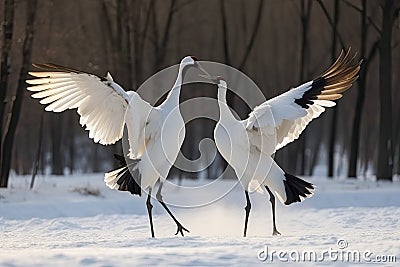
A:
(203, 70)
(209, 77)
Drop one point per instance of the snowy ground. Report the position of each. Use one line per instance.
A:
(54, 225)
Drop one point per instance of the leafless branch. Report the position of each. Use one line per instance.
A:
(323, 7)
(370, 57)
(38, 151)
(395, 15)
(165, 38)
(352, 6)
(253, 34)
(168, 24)
(370, 20)
(182, 5)
(225, 32)
(374, 24)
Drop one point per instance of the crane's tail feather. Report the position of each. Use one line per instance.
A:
(297, 189)
(126, 178)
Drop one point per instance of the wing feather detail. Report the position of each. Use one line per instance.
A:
(286, 116)
(102, 107)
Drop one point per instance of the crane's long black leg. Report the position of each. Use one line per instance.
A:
(247, 209)
(272, 200)
(149, 208)
(178, 224)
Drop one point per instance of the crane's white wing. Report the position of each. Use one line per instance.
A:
(284, 117)
(101, 105)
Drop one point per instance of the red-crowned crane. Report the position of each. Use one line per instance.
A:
(248, 145)
(155, 134)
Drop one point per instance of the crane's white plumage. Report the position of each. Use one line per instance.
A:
(155, 134)
(281, 117)
(100, 103)
(248, 145)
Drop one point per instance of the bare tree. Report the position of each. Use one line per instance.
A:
(333, 132)
(250, 44)
(335, 37)
(139, 40)
(4, 69)
(38, 153)
(305, 15)
(390, 11)
(71, 142)
(56, 143)
(17, 104)
(368, 57)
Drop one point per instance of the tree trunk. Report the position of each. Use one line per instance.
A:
(161, 50)
(333, 132)
(96, 159)
(4, 67)
(16, 107)
(71, 143)
(315, 155)
(306, 6)
(385, 156)
(56, 137)
(355, 136)
(39, 152)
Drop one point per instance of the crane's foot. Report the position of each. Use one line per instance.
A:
(181, 229)
(275, 232)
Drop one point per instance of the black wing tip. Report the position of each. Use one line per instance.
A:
(342, 73)
(295, 188)
(318, 82)
(126, 161)
(312, 94)
(121, 159)
(305, 102)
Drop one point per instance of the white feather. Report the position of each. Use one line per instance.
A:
(102, 108)
(283, 120)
